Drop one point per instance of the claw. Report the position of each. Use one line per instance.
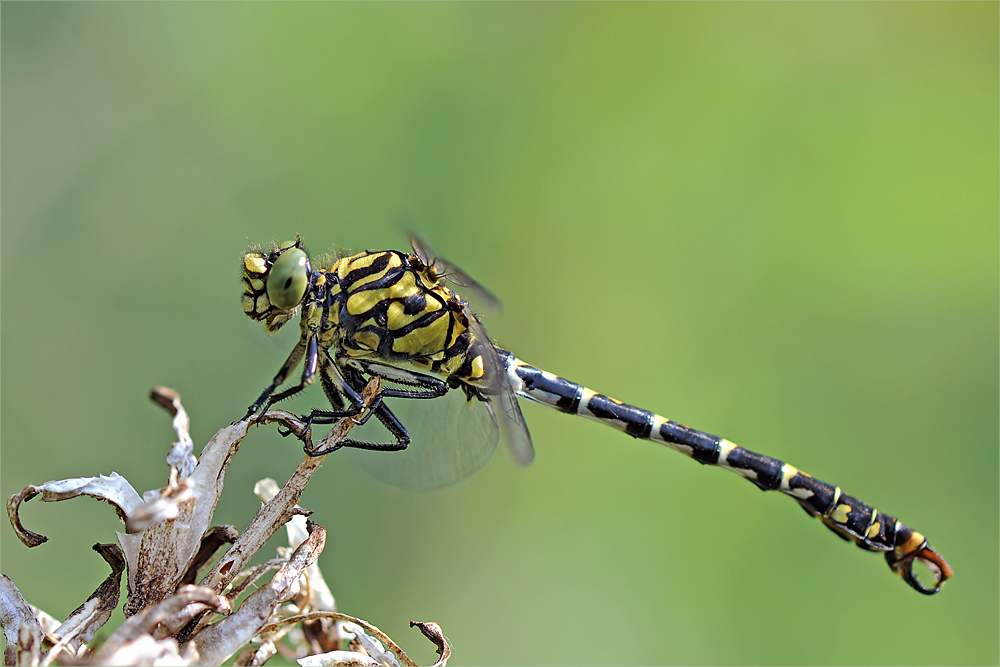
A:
(932, 559)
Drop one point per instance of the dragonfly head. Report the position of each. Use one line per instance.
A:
(274, 284)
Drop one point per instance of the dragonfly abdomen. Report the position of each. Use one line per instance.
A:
(847, 516)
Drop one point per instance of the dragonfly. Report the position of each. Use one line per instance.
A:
(397, 316)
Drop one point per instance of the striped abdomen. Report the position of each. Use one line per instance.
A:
(844, 514)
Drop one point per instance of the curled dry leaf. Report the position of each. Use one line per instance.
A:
(112, 488)
(181, 456)
(433, 632)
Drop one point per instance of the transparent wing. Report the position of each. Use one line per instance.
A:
(448, 271)
(452, 439)
(508, 418)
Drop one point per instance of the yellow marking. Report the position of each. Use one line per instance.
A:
(585, 401)
(247, 303)
(873, 530)
(423, 340)
(362, 302)
(449, 367)
(725, 447)
(321, 280)
(328, 338)
(367, 339)
(841, 513)
(397, 317)
(392, 264)
(658, 421)
(257, 284)
(456, 331)
(345, 264)
(909, 546)
(787, 473)
(402, 288)
(477, 367)
(255, 263)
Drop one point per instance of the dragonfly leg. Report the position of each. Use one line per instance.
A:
(347, 384)
(265, 400)
(308, 375)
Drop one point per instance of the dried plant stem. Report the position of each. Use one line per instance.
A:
(275, 514)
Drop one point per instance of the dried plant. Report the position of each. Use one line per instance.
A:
(169, 541)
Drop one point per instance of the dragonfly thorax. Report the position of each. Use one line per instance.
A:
(387, 307)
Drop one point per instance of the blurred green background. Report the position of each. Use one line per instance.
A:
(774, 222)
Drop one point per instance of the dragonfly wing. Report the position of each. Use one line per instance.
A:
(508, 418)
(453, 274)
(515, 431)
(452, 439)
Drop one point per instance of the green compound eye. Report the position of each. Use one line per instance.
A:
(288, 279)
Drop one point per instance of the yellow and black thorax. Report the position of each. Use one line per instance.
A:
(385, 305)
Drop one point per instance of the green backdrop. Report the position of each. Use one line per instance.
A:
(774, 222)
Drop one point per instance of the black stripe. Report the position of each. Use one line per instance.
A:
(414, 304)
(568, 393)
(821, 500)
(638, 422)
(705, 447)
(377, 265)
(418, 323)
(768, 470)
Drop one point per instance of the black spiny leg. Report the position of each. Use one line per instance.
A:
(350, 383)
(308, 375)
(265, 401)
